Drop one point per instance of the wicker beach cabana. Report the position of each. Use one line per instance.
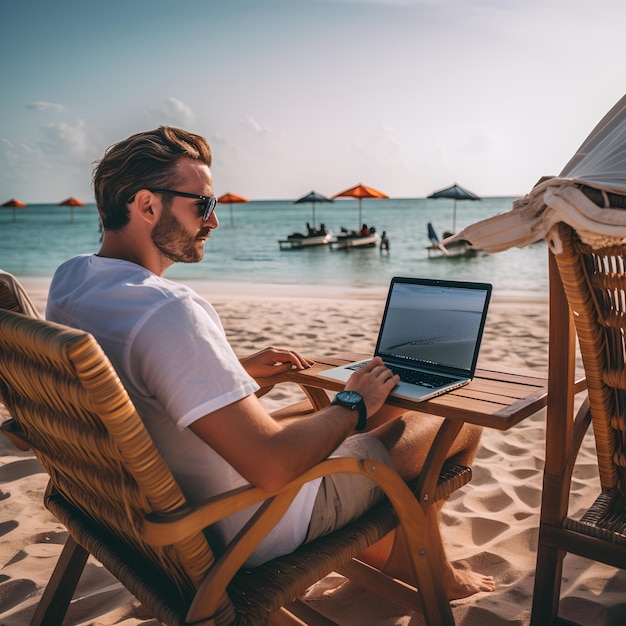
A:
(581, 213)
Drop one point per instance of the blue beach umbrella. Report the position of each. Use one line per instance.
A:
(455, 192)
(313, 197)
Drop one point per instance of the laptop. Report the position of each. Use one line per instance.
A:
(430, 335)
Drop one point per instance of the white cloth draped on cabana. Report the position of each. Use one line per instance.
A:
(599, 166)
(19, 293)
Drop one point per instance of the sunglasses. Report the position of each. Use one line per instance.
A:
(205, 210)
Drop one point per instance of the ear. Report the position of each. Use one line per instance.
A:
(146, 206)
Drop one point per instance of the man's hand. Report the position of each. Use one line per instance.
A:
(374, 382)
(272, 361)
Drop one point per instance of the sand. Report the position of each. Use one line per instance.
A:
(491, 524)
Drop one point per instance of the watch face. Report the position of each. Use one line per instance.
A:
(352, 397)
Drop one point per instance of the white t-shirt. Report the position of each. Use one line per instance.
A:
(168, 346)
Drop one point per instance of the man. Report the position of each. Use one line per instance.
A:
(154, 194)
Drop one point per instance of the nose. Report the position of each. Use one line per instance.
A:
(212, 222)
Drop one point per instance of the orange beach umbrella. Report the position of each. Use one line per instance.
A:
(231, 198)
(360, 192)
(71, 202)
(14, 204)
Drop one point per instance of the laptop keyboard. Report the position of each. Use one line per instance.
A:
(415, 377)
(421, 378)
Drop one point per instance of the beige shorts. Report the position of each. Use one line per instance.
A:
(343, 498)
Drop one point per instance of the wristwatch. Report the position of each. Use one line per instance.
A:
(353, 401)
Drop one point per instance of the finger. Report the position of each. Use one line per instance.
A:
(381, 371)
(384, 375)
(371, 365)
(302, 362)
(280, 368)
(393, 380)
(296, 360)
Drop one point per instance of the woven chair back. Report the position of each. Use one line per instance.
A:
(68, 401)
(595, 286)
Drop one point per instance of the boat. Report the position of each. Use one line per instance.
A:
(455, 249)
(297, 241)
(346, 241)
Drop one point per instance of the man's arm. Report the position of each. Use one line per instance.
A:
(269, 454)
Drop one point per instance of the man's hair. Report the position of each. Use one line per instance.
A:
(146, 160)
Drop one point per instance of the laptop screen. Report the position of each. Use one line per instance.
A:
(434, 324)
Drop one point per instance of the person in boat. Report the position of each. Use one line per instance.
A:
(365, 230)
(196, 397)
(311, 232)
(322, 230)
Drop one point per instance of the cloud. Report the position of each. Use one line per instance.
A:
(70, 142)
(174, 112)
(251, 124)
(56, 161)
(46, 106)
(383, 147)
(55, 148)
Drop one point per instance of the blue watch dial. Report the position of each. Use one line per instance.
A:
(349, 396)
(353, 400)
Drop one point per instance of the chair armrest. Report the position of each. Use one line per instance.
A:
(166, 528)
(162, 530)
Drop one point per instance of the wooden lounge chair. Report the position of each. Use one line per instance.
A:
(119, 502)
(592, 285)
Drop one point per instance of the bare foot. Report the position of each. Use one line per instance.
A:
(462, 583)
(459, 583)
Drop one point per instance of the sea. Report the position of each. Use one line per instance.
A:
(35, 239)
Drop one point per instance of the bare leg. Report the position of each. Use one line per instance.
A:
(408, 440)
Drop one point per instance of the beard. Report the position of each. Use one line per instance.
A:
(175, 243)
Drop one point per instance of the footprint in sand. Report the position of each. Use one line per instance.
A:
(19, 469)
(7, 527)
(523, 474)
(43, 550)
(486, 530)
(12, 592)
(492, 502)
(531, 496)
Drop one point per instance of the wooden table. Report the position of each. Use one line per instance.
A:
(497, 398)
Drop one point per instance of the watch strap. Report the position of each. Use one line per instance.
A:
(362, 409)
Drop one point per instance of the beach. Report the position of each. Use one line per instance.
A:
(490, 525)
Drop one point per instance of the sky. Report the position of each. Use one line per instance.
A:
(406, 96)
